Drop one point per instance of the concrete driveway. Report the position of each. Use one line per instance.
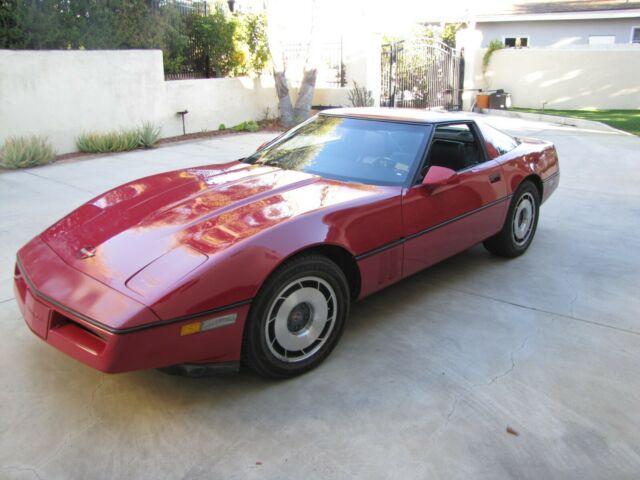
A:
(426, 380)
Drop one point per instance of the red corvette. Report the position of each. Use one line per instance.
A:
(258, 260)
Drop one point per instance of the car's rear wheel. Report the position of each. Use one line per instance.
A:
(520, 225)
(297, 318)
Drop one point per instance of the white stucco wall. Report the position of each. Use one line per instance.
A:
(568, 79)
(211, 102)
(559, 33)
(573, 77)
(59, 94)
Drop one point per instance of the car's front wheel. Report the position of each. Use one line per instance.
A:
(297, 317)
(520, 225)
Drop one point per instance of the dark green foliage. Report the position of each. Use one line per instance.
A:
(449, 33)
(213, 45)
(492, 47)
(252, 36)
(10, 31)
(217, 42)
(246, 126)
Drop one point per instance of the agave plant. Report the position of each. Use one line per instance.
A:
(119, 141)
(25, 152)
(148, 135)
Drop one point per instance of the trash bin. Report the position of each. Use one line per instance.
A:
(499, 100)
(482, 100)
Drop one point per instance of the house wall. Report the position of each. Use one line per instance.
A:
(59, 94)
(559, 33)
(598, 78)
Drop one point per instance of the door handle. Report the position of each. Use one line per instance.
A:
(494, 177)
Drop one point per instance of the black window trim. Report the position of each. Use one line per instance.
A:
(475, 130)
(418, 160)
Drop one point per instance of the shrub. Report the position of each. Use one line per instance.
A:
(492, 47)
(246, 126)
(94, 142)
(222, 126)
(119, 141)
(360, 96)
(25, 152)
(148, 135)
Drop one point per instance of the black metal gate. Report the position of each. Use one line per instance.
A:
(421, 74)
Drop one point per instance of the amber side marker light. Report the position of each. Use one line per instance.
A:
(209, 324)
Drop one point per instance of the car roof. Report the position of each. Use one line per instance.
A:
(399, 114)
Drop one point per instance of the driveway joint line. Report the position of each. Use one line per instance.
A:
(535, 309)
(60, 182)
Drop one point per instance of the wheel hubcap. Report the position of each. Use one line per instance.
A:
(301, 319)
(523, 219)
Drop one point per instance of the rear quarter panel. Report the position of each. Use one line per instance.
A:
(531, 157)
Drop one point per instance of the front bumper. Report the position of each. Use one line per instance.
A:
(87, 320)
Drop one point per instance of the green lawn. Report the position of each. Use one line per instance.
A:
(627, 120)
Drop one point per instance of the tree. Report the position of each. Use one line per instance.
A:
(252, 39)
(9, 23)
(216, 43)
(290, 115)
(212, 40)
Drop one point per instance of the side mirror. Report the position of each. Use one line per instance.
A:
(437, 176)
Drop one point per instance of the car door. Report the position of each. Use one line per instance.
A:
(451, 215)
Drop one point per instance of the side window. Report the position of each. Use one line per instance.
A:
(497, 143)
(454, 146)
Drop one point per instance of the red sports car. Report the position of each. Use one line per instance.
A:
(258, 260)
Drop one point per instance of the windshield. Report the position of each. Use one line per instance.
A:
(349, 149)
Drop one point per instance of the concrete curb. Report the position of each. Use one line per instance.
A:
(567, 121)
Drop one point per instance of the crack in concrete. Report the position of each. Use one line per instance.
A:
(452, 410)
(93, 419)
(22, 469)
(7, 300)
(510, 369)
(572, 305)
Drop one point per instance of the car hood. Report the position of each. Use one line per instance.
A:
(182, 218)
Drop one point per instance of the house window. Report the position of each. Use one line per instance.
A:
(635, 35)
(602, 39)
(516, 42)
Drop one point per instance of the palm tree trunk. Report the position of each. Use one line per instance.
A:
(305, 95)
(284, 100)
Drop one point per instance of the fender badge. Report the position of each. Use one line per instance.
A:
(87, 252)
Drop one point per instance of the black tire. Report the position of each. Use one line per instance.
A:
(512, 241)
(295, 281)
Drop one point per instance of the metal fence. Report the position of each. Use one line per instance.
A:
(328, 60)
(421, 74)
(197, 63)
(184, 6)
